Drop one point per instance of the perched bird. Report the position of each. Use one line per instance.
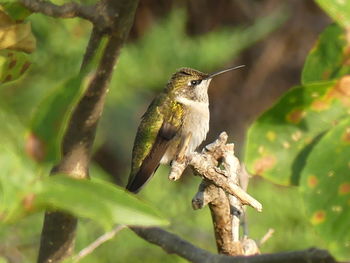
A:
(181, 111)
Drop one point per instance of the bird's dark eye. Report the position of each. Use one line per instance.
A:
(195, 82)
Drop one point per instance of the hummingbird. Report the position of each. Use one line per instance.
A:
(180, 112)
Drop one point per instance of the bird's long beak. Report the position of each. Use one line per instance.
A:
(212, 75)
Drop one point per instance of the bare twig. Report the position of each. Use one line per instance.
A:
(98, 242)
(243, 182)
(175, 245)
(58, 234)
(267, 236)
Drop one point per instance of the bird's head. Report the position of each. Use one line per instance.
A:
(192, 84)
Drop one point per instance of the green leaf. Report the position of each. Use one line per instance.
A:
(282, 137)
(17, 174)
(325, 186)
(13, 64)
(98, 200)
(17, 171)
(339, 10)
(329, 58)
(50, 119)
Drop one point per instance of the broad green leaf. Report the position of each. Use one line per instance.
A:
(98, 200)
(50, 119)
(17, 171)
(281, 138)
(339, 10)
(329, 58)
(16, 175)
(13, 64)
(325, 185)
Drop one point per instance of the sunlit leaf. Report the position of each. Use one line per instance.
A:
(279, 141)
(329, 59)
(15, 36)
(325, 184)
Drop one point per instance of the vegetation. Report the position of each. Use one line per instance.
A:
(304, 138)
(302, 142)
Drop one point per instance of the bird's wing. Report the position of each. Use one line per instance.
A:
(153, 136)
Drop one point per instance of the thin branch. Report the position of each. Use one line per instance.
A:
(98, 242)
(175, 245)
(68, 10)
(267, 236)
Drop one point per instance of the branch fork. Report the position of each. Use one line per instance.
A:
(220, 190)
(206, 164)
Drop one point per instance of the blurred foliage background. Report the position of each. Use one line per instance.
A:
(272, 38)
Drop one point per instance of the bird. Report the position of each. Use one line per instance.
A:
(180, 112)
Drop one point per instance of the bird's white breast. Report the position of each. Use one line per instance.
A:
(196, 121)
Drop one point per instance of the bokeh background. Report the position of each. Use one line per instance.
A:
(271, 37)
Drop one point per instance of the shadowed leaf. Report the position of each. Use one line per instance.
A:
(325, 185)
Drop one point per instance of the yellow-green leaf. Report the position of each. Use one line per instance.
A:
(282, 137)
(329, 58)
